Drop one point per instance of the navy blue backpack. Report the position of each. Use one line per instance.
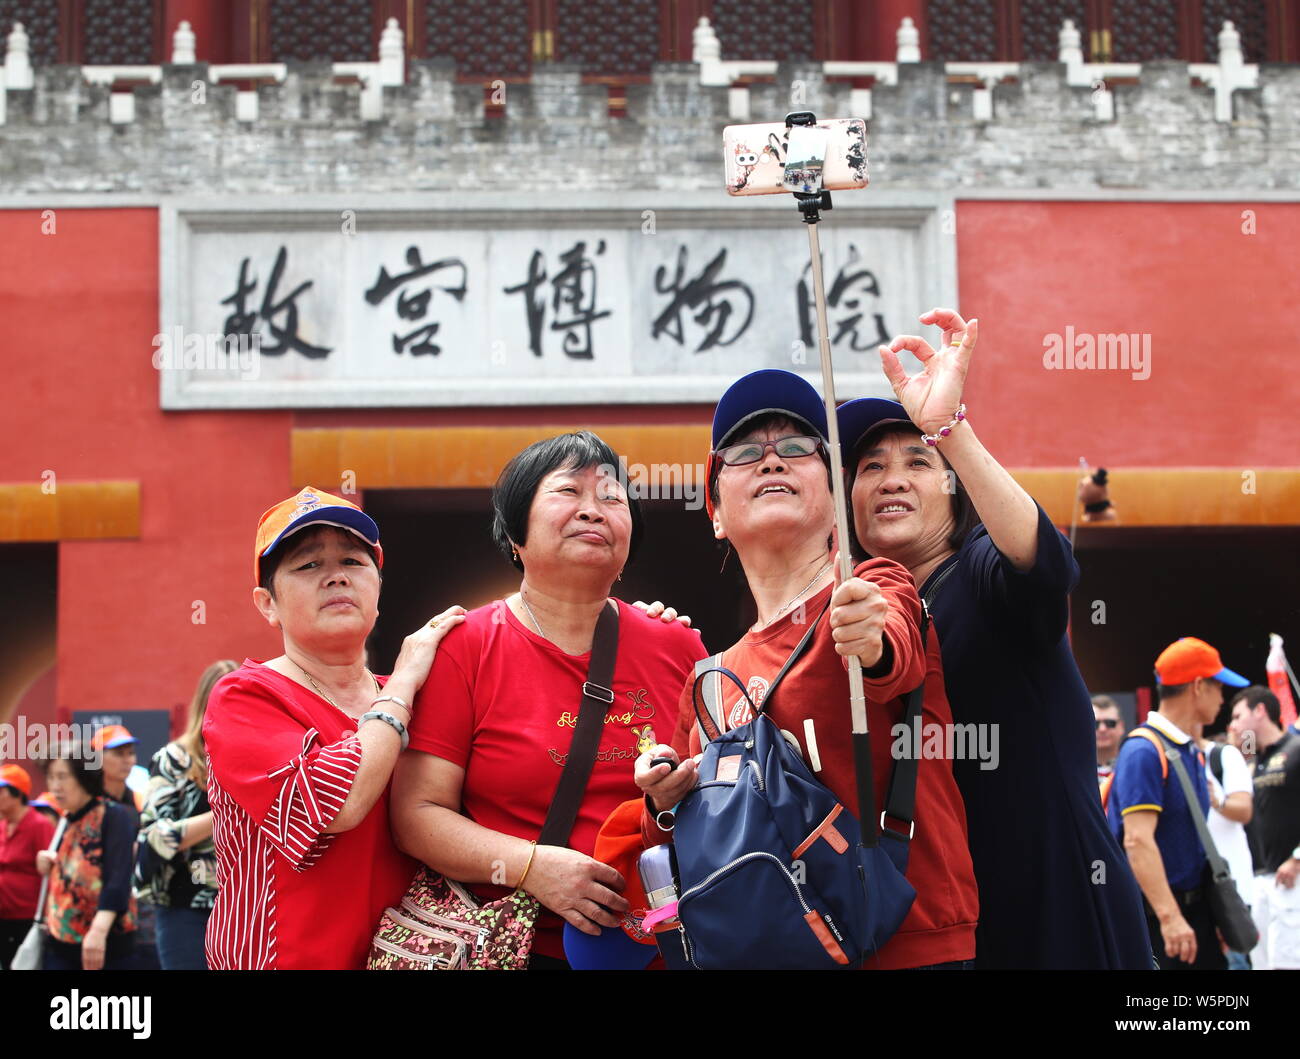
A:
(773, 871)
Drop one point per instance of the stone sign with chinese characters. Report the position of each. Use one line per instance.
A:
(491, 299)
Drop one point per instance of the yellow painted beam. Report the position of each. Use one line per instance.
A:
(71, 511)
(472, 457)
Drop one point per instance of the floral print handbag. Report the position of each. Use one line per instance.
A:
(441, 926)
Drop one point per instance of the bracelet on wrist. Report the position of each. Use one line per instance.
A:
(396, 700)
(388, 719)
(664, 819)
(531, 852)
(958, 416)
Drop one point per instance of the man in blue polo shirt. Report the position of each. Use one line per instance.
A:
(1150, 815)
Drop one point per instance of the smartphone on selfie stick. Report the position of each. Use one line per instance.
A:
(809, 159)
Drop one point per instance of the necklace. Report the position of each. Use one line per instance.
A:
(532, 615)
(321, 691)
(816, 577)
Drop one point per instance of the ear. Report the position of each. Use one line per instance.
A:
(718, 532)
(265, 604)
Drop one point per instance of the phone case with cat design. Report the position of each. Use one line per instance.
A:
(754, 156)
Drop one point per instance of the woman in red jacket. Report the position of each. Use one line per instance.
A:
(770, 499)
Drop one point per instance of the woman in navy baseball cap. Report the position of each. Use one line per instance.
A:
(996, 575)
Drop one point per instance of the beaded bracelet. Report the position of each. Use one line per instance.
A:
(958, 416)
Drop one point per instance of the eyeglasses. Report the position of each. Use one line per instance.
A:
(790, 447)
(1107, 722)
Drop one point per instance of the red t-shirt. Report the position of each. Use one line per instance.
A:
(281, 763)
(502, 703)
(20, 882)
(812, 706)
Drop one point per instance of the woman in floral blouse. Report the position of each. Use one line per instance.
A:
(178, 862)
(90, 913)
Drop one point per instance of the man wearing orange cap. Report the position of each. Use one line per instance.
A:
(1149, 812)
(23, 834)
(117, 745)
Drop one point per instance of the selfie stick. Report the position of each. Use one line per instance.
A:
(810, 205)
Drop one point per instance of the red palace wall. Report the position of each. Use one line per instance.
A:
(80, 308)
(1217, 303)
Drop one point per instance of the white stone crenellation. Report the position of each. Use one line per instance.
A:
(402, 125)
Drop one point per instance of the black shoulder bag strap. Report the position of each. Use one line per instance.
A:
(597, 697)
(709, 718)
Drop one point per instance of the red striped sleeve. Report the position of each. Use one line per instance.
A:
(313, 791)
(241, 929)
(241, 932)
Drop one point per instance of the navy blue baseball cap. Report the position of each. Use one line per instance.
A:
(771, 390)
(610, 950)
(858, 418)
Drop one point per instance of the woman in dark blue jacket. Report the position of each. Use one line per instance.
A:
(1055, 889)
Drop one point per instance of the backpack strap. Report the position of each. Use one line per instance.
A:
(1151, 736)
(709, 695)
(710, 720)
(1216, 762)
(900, 801)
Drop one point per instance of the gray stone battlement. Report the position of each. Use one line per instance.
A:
(195, 134)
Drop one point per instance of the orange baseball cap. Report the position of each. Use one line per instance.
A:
(311, 507)
(619, 844)
(1186, 659)
(16, 776)
(43, 803)
(110, 737)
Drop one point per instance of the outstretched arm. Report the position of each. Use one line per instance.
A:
(930, 398)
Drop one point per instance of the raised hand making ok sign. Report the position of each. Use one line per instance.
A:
(934, 393)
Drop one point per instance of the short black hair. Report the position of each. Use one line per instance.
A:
(762, 422)
(271, 563)
(1171, 691)
(964, 516)
(1256, 695)
(516, 486)
(90, 779)
(16, 791)
(1105, 702)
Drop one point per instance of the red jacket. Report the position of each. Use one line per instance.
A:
(812, 705)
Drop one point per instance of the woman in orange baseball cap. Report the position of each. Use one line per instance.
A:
(23, 833)
(301, 748)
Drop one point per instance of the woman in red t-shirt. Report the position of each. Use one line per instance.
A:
(301, 748)
(495, 720)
